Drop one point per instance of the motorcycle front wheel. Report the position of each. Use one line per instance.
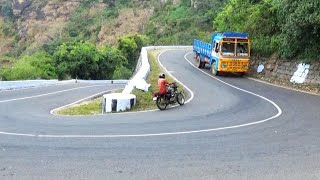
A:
(161, 103)
(180, 99)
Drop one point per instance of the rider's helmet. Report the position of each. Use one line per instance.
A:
(162, 75)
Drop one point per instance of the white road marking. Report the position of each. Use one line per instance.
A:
(172, 133)
(84, 99)
(284, 87)
(191, 93)
(41, 95)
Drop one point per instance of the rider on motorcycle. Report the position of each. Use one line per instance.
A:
(162, 85)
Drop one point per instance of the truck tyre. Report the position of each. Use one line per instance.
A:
(213, 69)
(203, 64)
(199, 63)
(195, 56)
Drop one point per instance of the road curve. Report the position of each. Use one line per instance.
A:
(264, 132)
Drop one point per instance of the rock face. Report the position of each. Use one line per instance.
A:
(127, 22)
(38, 22)
(173, 1)
(19, 6)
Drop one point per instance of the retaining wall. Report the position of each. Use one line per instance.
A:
(287, 70)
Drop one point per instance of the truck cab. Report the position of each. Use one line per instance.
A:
(227, 52)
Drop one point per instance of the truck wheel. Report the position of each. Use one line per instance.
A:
(199, 63)
(213, 69)
(241, 74)
(203, 64)
(195, 56)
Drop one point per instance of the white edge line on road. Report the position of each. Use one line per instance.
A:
(79, 101)
(284, 87)
(191, 93)
(273, 103)
(40, 95)
(173, 133)
(38, 87)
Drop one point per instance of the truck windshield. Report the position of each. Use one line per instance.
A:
(228, 49)
(242, 49)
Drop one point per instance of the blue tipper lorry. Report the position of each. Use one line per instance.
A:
(227, 52)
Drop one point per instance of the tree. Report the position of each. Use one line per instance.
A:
(84, 61)
(130, 46)
(77, 59)
(300, 27)
(257, 18)
(111, 60)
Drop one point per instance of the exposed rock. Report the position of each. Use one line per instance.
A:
(270, 65)
(194, 4)
(126, 23)
(173, 1)
(19, 6)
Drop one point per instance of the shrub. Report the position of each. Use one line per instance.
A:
(36, 66)
(130, 46)
(77, 59)
(112, 61)
(84, 61)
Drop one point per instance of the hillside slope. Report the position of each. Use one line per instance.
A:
(34, 23)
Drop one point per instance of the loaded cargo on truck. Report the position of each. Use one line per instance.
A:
(227, 52)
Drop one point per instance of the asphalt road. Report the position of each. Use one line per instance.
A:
(233, 128)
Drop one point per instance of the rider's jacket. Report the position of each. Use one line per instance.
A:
(162, 85)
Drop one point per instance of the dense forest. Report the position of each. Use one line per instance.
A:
(289, 29)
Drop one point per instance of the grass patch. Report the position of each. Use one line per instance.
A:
(117, 91)
(84, 108)
(144, 99)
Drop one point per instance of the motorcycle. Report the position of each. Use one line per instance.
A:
(172, 97)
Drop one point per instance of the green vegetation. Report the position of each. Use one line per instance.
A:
(83, 25)
(6, 10)
(180, 24)
(84, 61)
(79, 59)
(36, 66)
(288, 28)
(144, 99)
(84, 108)
(130, 46)
(90, 107)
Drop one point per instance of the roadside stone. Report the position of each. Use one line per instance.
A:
(273, 74)
(267, 73)
(311, 76)
(307, 81)
(313, 81)
(287, 64)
